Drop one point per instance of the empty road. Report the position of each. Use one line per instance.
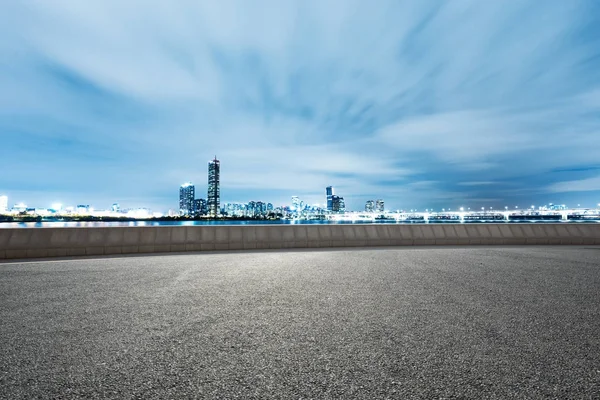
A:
(398, 323)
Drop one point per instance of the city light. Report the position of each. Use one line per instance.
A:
(332, 209)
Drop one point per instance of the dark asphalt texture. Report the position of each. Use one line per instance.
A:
(398, 323)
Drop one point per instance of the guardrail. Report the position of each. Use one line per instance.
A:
(62, 242)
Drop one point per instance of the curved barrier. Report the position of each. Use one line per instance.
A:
(62, 242)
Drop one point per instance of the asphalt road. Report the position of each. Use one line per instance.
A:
(497, 322)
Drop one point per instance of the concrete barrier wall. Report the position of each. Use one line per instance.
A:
(62, 242)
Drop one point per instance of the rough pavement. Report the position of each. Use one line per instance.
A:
(496, 322)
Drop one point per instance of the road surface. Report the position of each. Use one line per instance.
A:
(464, 322)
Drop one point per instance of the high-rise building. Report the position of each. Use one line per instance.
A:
(200, 207)
(251, 209)
(3, 204)
(337, 204)
(370, 206)
(261, 208)
(379, 205)
(116, 207)
(213, 199)
(329, 191)
(296, 203)
(187, 193)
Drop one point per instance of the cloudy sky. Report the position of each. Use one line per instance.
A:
(422, 103)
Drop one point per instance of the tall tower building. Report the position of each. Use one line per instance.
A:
(370, 206)
(379, 205)
(329, 191)
(186, 199)
(213, 200)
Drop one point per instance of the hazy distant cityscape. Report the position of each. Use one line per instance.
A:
(332, 209)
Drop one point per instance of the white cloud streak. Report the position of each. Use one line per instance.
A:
(293, 96)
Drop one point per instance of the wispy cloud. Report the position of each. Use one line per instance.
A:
(484, 183)
(580, 185)
(125, 100)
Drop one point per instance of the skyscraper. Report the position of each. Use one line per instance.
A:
(370, 206)
(379, 205)
(214, 187)
(186, 199)
(3, 204)
(261, 208)
(199, 207)
(329, 191)
(338, 204)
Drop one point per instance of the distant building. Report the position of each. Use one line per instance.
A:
(329, 191)
(236, 209)
(116, 207)
(296, 203)
(83, 209)
(251, 209)
(379, 205)
(21, 207)
(3, 204)
(554, 207)
(269, 207)
(200, 207)
(261, 208)
(213, 199)
(370, 206)
(338, 204)
(187, 193)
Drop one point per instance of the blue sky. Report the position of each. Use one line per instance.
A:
(426, 104)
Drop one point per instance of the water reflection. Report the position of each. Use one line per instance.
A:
(79, 224)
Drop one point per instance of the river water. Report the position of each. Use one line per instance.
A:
(74, 224)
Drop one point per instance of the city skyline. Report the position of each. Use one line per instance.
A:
(189, 205)
(423, 104)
